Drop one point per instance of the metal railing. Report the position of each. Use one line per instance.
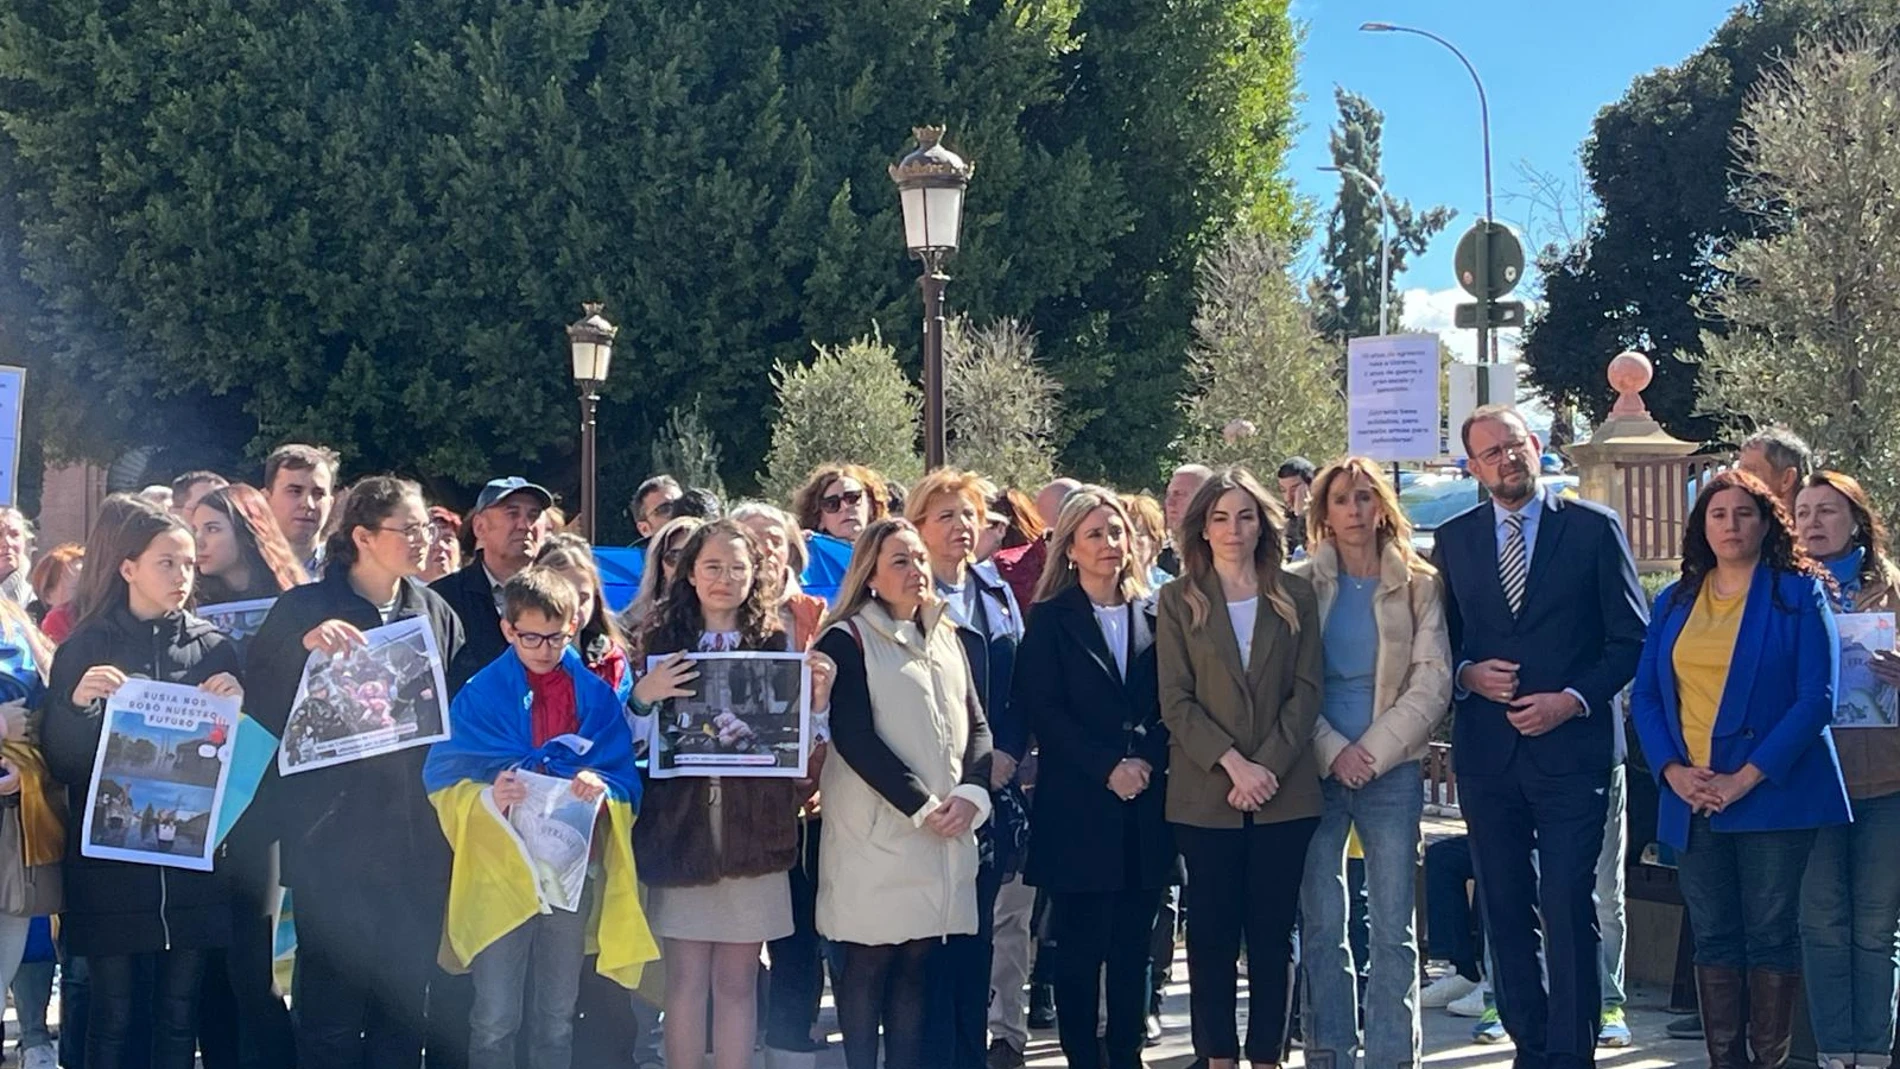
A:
(1656, 498)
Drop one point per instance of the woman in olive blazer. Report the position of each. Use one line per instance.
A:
(1240, 671)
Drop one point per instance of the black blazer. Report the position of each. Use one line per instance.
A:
(1581, 629)
(473, 603)
(1086, 718)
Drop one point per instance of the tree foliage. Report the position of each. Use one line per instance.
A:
(1001, 407)
(1258, 359)
(687, 449)
(1811, 306)
(853, 403)
(231, 222)
(1346, 299)
(1656, 161)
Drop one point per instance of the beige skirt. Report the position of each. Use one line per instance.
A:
(748, 909)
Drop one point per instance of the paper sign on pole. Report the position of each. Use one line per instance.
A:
(12, 389)
(1464, 395)
(1392, 398)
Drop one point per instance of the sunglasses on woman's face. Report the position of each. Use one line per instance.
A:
(671, 558)
(848, 499)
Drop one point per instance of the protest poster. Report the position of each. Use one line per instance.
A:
(1860, 700)
(238, 619)
(556, 833)
(381, 697)
(1392, 402)
(750, 715)
(158, 778)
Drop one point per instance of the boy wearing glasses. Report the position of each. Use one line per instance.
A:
(536, 709)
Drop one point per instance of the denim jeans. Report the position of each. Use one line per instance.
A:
(541, 959)
(1386, 813)
(1610, 889)
(32, 995)
(1743, 890)
(1850, 933)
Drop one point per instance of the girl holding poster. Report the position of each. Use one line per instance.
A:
(362, 850)
(715, 851)
(124, 918)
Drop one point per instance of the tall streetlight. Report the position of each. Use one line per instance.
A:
(591, 343)
(1385, 239)
(930, 184)
(1483, 263)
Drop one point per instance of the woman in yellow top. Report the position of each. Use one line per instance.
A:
(1732, 698)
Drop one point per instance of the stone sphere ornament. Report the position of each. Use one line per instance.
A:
(1630, 374)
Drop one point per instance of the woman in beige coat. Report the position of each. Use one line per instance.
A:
(1388, 684)
(1239, 643)
(905, 788)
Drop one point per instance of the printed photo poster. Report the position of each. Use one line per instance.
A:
(1860, 700)
(238, 619)
(750, 715)
(385, 696)
(158, 779)
(556, 832)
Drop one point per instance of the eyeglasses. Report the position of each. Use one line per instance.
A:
(848, 499)
(1508, 447)
(414, 532)
(531, 640)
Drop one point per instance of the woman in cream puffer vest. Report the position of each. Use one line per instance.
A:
(905, 788)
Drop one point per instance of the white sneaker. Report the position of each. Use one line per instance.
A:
(1471, 1005)
(39, 1058)
(1446, 990)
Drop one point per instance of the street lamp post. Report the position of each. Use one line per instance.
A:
(1385, 240)
(930, 185)
(591, 344)
(1483, 264)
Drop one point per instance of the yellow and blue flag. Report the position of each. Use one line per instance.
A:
(492, 888)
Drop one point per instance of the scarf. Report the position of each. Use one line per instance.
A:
(1846, 572)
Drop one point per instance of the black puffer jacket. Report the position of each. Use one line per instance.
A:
(364, 829)
(113, 907)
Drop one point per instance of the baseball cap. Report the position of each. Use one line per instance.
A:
(497, 489)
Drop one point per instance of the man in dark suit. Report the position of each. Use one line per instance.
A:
(1547, 622)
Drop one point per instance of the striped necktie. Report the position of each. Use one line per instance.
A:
(1514, 568)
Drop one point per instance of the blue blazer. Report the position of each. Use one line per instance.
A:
(1776, 706)
(1581, 629)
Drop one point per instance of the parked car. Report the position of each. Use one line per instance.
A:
(1429, 500)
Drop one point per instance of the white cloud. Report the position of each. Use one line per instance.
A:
(1433, 311)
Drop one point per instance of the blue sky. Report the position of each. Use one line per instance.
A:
(1548, 67)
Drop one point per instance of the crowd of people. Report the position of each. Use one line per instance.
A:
(1052, 731)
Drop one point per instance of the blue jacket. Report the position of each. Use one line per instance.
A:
(1776, 705)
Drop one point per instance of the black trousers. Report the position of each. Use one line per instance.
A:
(881, 989)
(118, 1002)
(242, 1021)
(1242, 881)
(363, 976)
(798, 960)
(956, 1030)
(1092, 931)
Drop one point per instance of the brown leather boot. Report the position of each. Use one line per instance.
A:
(1723, 995)
(1771, 1001)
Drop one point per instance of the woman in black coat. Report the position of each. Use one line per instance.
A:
(131, 920)
(1099, 841)
(361, 846)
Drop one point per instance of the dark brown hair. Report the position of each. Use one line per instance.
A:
(539, 589)
(678, 620)
(805, 503)
(261, 545)
(298, 457)
(1197, 558)
(127, 525)
(1025, 523)
(1780, 550)
(367, 503)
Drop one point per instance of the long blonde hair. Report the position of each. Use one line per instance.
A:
(855, 589)
(650, 591)
(1197, 557)
(1059, 574)
(1394, 528)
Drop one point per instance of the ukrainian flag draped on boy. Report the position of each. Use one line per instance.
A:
(492, 889)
